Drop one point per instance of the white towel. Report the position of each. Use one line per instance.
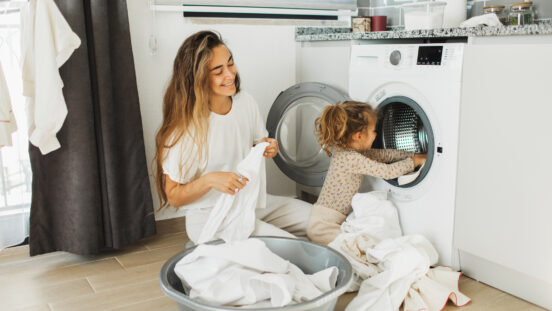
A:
(7, 120)
(47, 41)
(486, 19)
(233, 216)
(248, 273)
(390, 268)
(410, 177)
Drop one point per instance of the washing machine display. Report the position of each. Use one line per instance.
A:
(291, 122)
(403, 125)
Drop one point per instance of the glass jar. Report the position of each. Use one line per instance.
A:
(521, 13)
(499, 11)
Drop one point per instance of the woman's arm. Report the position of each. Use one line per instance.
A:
(183, 194)
(387, 155)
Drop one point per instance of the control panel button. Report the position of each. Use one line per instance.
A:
(395, 57)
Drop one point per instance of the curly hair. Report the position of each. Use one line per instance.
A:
(339, 122)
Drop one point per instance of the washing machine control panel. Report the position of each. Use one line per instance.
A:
(430, 55)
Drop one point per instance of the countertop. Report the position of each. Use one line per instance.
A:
(345, 33)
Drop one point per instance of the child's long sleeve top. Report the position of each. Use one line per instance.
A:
(347, 167)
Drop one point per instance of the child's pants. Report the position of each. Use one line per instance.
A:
(283, 217)
(324, 224)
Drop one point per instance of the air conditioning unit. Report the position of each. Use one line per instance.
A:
(301, 9)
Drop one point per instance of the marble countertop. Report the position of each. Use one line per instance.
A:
(345, 33)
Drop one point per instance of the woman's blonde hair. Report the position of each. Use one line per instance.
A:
(186, 104)
(338, 122)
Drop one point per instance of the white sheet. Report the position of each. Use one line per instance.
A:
(233, 217)
(390, 268)
(248, 273)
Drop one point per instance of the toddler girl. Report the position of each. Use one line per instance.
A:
(346, 132)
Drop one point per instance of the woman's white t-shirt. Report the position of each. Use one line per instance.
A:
(229, 139)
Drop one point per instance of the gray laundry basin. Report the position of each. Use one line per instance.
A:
(308, 256)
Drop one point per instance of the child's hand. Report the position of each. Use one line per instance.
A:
(419, 159)
(272, 150)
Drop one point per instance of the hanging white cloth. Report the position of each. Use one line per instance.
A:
(233, 217)
(247, 273)
(7, 120)
(47, 41)
(390, 268)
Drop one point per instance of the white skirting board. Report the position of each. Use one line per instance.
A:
(511, 281)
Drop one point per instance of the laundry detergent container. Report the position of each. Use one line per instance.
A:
(308, 256)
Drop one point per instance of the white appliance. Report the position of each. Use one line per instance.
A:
(416, 90)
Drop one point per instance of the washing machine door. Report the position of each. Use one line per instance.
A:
(291, 122)
(404, 125)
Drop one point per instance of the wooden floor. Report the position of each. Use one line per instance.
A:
(128, 279)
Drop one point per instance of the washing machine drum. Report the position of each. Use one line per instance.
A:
(403, 125)
(291, 122)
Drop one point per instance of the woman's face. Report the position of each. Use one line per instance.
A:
(222, 72)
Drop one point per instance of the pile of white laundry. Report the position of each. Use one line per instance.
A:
(242, 271)
(246, 273)
(390, 268)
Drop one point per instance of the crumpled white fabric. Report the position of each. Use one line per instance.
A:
(391, 268)
(486, 19)
(233, 216)
(47, 42)
(7, 120)
(248, 273)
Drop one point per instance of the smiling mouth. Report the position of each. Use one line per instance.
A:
(228, 84)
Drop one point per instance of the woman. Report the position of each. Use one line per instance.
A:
(209, 126)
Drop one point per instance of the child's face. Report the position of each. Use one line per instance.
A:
(370, 135)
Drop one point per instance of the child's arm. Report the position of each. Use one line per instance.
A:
(366, 166)
(387, 155)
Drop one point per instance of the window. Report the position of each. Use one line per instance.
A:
(15, 170)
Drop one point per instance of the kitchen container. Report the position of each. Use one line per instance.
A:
(361, 24)
(499, 11)
(379, 23)
(521, 13)
(455, 13)
(308, 256)
(424, 15)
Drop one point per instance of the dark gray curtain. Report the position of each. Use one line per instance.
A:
(93, 193)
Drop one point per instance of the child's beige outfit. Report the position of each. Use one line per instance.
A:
(343, 180)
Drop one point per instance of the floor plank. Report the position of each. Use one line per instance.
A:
(147, 257)
(157, 304)
(107, 281)
(117, 297)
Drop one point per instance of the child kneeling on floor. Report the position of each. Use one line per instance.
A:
(346, 132)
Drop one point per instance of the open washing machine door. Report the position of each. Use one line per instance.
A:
(403, 125)
(405, 122)
(291, 122)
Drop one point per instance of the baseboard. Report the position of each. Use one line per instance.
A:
(511, 281)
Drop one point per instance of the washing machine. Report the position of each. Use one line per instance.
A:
(416, 91)
(291, 121)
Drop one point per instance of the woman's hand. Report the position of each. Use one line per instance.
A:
(419, 159)
(226, 182)
(272, 150)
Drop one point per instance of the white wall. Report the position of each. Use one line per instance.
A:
(264, 52)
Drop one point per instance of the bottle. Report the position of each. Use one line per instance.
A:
(521, 13)
(498, 10)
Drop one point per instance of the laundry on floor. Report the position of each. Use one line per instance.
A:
(247, 273)
(390, 269)
(233, 216)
